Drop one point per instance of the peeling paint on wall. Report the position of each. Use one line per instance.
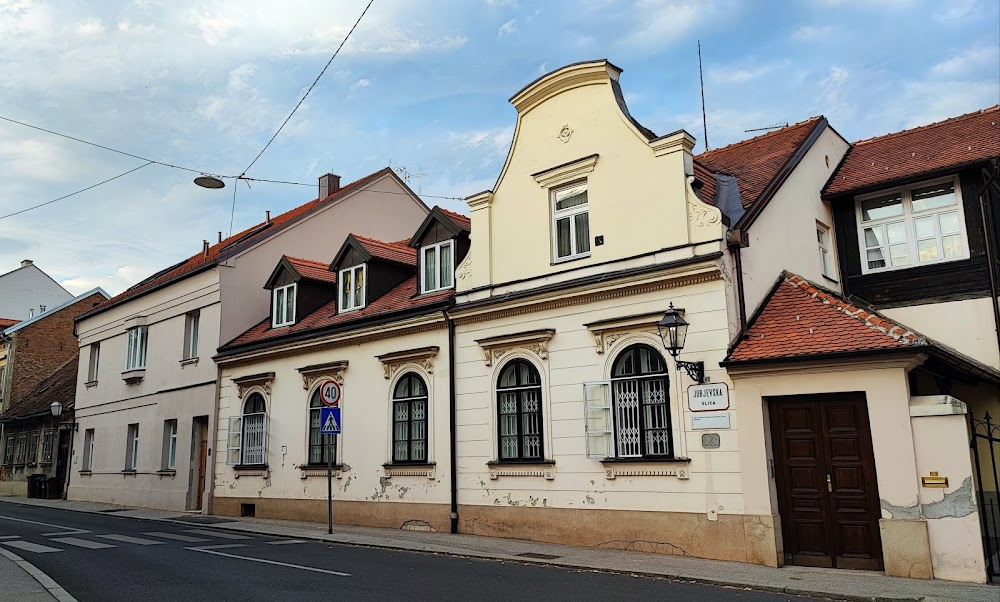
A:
(911, 512)
(956, 504)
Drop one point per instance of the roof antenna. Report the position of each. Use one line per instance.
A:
(776, 126)
(701, 78)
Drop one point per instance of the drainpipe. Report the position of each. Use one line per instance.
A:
(451, 421)
(736, 240)
(990, 241)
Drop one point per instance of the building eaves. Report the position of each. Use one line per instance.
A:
(94, 291)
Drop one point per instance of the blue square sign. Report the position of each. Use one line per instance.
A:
(329, 421)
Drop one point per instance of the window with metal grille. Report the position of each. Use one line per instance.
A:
(641, 401)
(519, 412)
(8, 450)
(321, 447)
(409, 420)
(254, 433)
(32, 449)
(47, 447)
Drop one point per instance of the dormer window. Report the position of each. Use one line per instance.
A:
(570, 222)
(352, 288)
(283, 313)
(437, 266)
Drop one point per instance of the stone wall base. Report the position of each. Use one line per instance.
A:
(14, 488)
(387, 515)
(906, 548)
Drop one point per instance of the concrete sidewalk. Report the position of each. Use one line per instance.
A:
(16, 583)
(827, 583)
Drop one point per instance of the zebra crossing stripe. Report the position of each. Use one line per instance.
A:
(127, 539)
(83, 543)
(215, 534)
(175, 536)
(30, 547)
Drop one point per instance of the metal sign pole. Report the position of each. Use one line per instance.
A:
(329, 483)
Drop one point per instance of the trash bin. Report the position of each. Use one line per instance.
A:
(34, 481)
(43, 488)
(54, 488)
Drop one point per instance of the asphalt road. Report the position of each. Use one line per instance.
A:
(108, 558)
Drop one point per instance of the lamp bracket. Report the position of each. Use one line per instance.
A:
(695, 370)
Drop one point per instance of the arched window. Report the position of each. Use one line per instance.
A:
(409, 420)
(321, 447)
(254, 432)
(640, 393)
(519, 409)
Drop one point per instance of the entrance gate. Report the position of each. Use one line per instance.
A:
(985, 443)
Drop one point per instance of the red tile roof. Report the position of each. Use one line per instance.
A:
(955, 142)
(800, 319)
(230, 246)
(755, 162)
(708, 189)
(397, 252)
(401, 298)
(59, 386)
(312, 270)
(8, 322)
(460, 220)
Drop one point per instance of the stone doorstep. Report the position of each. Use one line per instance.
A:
(788, 580)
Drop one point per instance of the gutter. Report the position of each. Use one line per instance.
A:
(991, 243)
(452, 421)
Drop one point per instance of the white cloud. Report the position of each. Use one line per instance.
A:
(90, 27)
(507, 29)
(214, 27)
(965, 63)
(361, 83)
(832, 92)
(511, 3)
(812, 33)
(660, 23)
(737, 75)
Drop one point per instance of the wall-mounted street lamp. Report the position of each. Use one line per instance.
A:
(673, 331)
(57, 409)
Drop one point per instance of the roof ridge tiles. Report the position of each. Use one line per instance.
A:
(785, 129)
(309, 261)
(927, 126)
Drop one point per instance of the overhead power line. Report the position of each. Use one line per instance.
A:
(77, 192)
(316, 81)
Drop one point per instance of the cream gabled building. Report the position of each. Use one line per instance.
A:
(147, 387)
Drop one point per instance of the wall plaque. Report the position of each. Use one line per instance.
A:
(710, 421)
(711, 440)
(708, 397)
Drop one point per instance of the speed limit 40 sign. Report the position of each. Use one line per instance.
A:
(329, 394)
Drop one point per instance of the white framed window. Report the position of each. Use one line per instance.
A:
(132, 447)
(823, 244)
(135, 352)
(169, 444)
(32, 449)
(88, 450)
(95, 360)
(192, 322)
(8, 451)
(22, 442)
(913, 225)
(570, 222)
(247, 438)
(283, 313)
(47, 447)
(437, 266)
(352, 287)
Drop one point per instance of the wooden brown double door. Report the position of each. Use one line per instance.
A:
(825, 476)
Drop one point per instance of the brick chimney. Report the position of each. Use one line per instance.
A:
(328, 184)
(26, 262)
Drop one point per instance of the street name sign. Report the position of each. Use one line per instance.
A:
(708, 397)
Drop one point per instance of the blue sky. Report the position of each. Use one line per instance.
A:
(423, 84)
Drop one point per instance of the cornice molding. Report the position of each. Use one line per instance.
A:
(477, 201)
(672, 143)
(565, 173)
(536, 341)
(332, 370)
(606, 332)
(245, 383)
(423, 357)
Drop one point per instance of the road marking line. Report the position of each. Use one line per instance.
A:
(30, 547)
(35, 522)
(10, 537)
(77, 532)
(176, 536)
(223, 546)
(127, 539)
(274, 562)
(53, 588)
(215, 534)
(83, 543)
(284, 541)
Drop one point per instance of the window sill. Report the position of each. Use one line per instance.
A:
(251, 470)
(409, 469)
(646, 467)
(167, 472)
(320, 470)
(828, 279)
(133, 377)
(191, 361)
(90, 384)
(285, 325)
(130, 472)
(541, 468)
(86, 473)
(562, 260)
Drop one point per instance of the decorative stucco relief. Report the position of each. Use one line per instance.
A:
(703, 216)
(423, 357)
(465, 268)
(332, 370)
(565, 133)
(245, 383)
(535, 341)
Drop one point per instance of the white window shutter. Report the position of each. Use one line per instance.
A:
(263, 443)
(234, 440)
(599, 419)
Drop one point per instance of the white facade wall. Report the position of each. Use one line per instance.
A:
(29, 288)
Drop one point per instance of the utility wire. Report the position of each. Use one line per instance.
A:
(430, 196)
(316, 81)
(101, 146)
(77, 192)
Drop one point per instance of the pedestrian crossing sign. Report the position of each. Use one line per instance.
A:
(329, 421)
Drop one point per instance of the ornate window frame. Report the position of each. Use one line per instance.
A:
(541, 468)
